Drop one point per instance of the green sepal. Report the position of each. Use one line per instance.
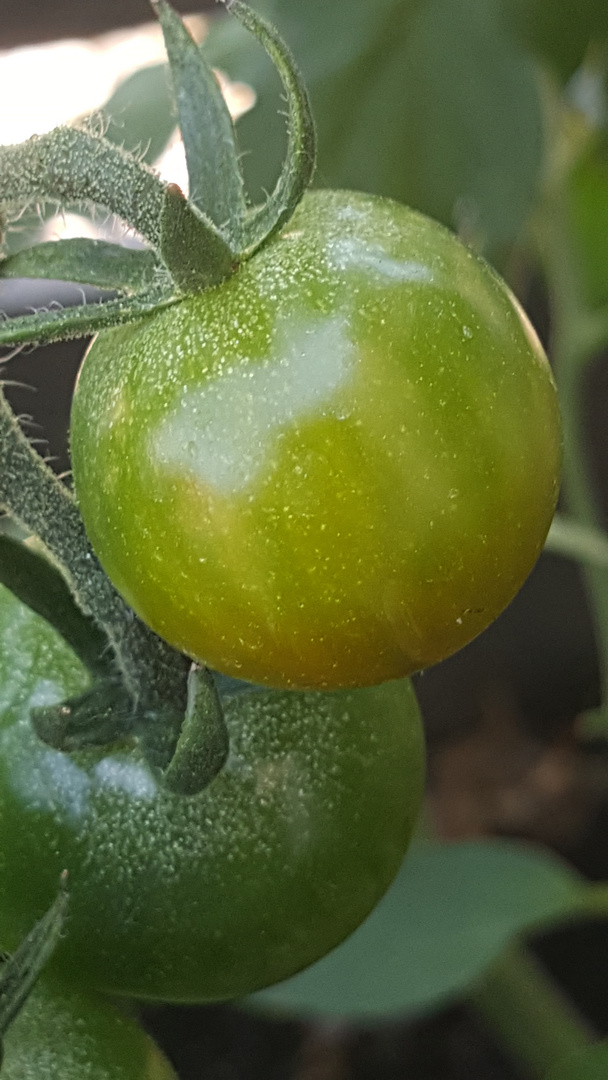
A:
(72, 166)
(102, 715)
(74, 322)
(195, 254)
(105, 712)
(299, 164)
(34, 580)
(21, 970)
(216, 183)
(202, 747)
(91, 262)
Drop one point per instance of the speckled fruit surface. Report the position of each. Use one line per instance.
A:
(333, 469)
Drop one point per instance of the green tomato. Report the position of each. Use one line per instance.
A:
(65, 1034)
(202, 898)
(335, 468)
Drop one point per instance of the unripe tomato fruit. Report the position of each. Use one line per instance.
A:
(66, 1034)
(209, 897)
(333, 469)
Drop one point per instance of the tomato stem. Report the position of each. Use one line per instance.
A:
(71, 166)
(154, 675)
(578, 333)
(74, 166)
(196, 242)
(529, 1013)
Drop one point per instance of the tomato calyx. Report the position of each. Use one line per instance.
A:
(146, 689)
(194, 242)
(20, 971)
(170, 705)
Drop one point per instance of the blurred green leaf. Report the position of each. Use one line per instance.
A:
(140, 116)
(431, 102)
(560, 31)
(591, 1064)
(449, 914)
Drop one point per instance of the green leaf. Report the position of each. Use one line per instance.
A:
(560, 31)
(449, 914)
(139, 114)
(468, 139)
(80, 321)
(431, 102)
(216, 184)
(92, 262)
(590, 1064)
(261, 134)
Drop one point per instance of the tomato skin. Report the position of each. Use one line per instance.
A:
(64, 1034)
(210, 897)
(334, 469)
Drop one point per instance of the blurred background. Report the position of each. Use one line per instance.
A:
(491, 116)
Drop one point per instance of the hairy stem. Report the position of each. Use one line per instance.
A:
(72, 166)
(152, 672)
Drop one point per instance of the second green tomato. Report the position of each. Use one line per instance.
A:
(210, 897)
